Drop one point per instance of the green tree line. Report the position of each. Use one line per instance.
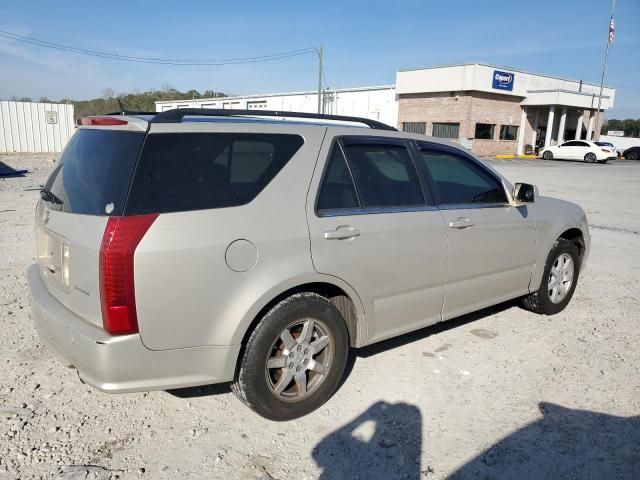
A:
(142, 102)
(630, 127)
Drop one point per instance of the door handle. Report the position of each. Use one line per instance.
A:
(461, 222)
(341, 233)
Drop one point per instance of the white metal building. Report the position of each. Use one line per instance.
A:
(35, 127)
(376, 103)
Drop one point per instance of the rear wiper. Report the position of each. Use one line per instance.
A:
(48, 196)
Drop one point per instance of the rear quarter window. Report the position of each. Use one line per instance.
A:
(194, 171)
(94, 171)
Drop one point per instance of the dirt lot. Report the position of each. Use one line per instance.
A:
(499, 394)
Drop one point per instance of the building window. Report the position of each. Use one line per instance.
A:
(446, 130)
(484, 131)
(259, 105)
(414, 127)
(508, 132)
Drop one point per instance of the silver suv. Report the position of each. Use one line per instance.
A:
(193, 246)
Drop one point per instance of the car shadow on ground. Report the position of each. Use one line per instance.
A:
(8, 171)
(576, 160)
(221, 388)
(386, 442)
(563, 444)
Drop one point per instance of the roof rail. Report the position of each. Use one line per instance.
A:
(177, 114)
(129, 112)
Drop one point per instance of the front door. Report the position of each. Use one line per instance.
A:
(491, 242)
(373, 225)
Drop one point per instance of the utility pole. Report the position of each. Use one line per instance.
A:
(604, 70)
(320, 79)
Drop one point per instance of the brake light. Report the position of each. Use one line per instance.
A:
(605, 150)
(117, 291)
(100, 121)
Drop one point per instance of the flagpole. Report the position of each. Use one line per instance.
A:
(604, 70)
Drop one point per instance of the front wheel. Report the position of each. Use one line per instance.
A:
(294, 358)
(590, 157)
(547, 155)
(558, 281)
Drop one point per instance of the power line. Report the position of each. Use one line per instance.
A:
(159, 61)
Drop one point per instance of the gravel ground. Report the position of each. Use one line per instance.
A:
(499, 394)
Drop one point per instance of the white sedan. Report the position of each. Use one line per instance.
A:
(585, 150)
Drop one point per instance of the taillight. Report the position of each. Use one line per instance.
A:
(117, 290)
(100, 121)
(605, 150)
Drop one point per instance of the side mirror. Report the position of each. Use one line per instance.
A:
(524, 193)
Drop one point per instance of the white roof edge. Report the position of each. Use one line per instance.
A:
(502, 67)
(563, 90)
(266, 95)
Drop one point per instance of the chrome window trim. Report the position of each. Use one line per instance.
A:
(345, 212)
(473, 206)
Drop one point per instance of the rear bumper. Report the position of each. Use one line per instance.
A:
(122, 363)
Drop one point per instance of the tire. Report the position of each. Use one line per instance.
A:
(541, 301)
(257, 383)
(547, 155)
(590, 157)
(632, 156)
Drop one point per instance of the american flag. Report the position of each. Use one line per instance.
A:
(612, 31)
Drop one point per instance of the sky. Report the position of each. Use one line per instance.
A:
(364, 42)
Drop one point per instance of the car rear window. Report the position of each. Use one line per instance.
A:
(194, 171)
(94, 172)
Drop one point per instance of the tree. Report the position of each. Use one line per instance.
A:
(108, 93)
(192, 94)
(630, 127)
(26, 99)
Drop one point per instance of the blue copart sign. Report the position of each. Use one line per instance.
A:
(503, 80)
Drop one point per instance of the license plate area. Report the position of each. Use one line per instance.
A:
(53, 258)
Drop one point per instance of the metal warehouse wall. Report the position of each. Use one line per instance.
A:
(35, 127)
(376, 103)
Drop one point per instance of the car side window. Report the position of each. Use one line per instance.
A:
(581, 144)
(384, 174)
(337, 190)
(458, 180)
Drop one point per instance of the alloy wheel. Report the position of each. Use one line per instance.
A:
(560, 278)
(300, 359)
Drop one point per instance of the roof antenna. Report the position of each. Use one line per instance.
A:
(120, 104)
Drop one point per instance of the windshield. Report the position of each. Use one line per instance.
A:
(94, 172)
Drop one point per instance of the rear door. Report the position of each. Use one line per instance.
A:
(580, 150)
(373, 224)
(89, 185)
(490, 241)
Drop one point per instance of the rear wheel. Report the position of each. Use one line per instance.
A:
(632, 156)
(547, 155)
(558, 281)
(294, 358)
(590, 157)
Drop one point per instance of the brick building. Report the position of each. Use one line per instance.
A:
(497, 110)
